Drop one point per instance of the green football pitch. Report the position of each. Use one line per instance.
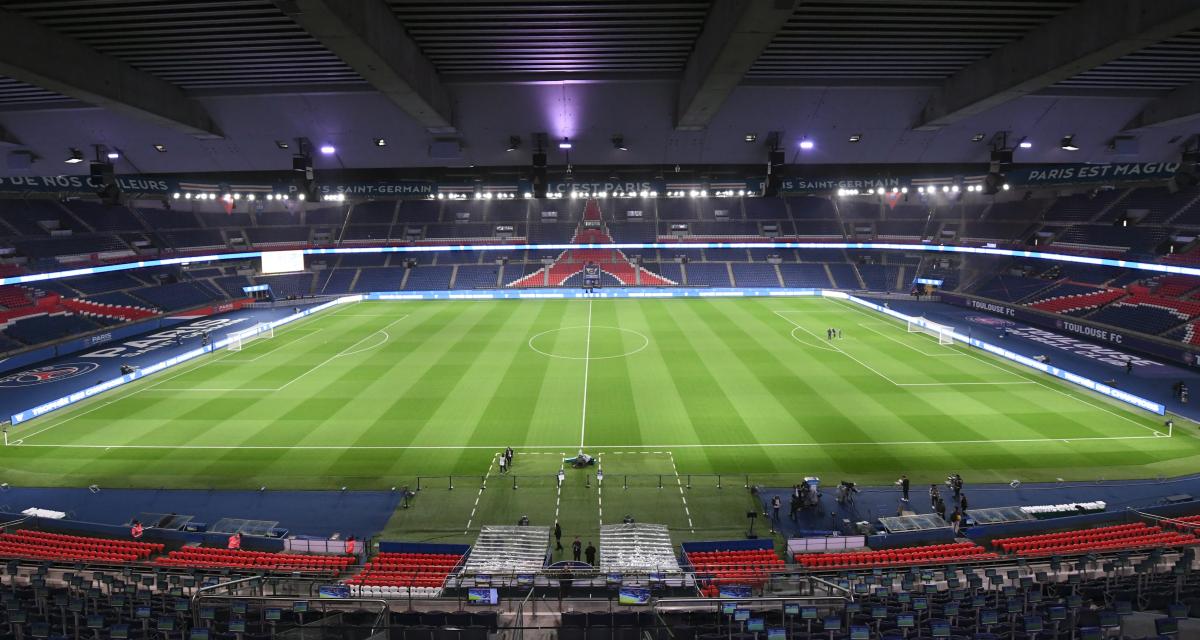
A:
(673, 393)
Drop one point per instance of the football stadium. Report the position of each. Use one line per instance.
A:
(599, 319)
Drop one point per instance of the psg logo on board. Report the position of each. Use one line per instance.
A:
(46, 374)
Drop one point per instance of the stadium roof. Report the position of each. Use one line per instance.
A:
(219, 82)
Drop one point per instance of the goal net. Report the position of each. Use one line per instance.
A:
(238, 340)
(944, 335)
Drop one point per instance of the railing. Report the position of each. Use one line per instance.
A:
(519, 618)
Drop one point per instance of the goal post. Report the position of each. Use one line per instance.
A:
(944, 335)
(238, 340)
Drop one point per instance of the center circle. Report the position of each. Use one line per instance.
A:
(572, 343)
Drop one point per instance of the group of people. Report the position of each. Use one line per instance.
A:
(937, 503)
(577, 548)
(506, 460)
(803, 497)
(830, 334)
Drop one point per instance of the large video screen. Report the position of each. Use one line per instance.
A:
(282, 261)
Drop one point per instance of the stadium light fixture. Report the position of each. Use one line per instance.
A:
(565, 143)
(806, 144)
(300, 196)
(75, 158)
(751, 137)
(113, 155)
(328, 149)
(977, 137)
(250, 197)
(1068, 143)
(880, 191)
(1006, 186)
(1025, 144)
(237, 196)
(857, 137)
(161, 148)
(618, 142)
(514, 143)
(380, 142)
(653, 194)
(903, 189)
(176, 195)
(528, 194)
(187, 196)
(945, 188)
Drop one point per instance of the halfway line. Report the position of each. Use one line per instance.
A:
(587, 361)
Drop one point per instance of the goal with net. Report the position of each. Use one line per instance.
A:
(944, 335)
(238, 340)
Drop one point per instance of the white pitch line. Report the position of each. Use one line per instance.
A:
(600, 486)
(277, 347)
(838, 349)
(348, 351)
(73, 416)
(909, 346)
(558, 495)
(587, 360)
(961, 384)
(480, 495)
(214, 357)
(682, 497)
(343, 352)
(350, 447)
(1076, 397)
(1024, 375)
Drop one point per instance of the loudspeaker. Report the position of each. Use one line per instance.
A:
(105, 183)
(538, 175)
(775, 161)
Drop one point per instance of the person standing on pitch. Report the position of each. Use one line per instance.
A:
(934, 495)
(557, 536)
(508, 453)
(591, 554)
(503, 463)
(576, 548)
(775, 504)
(903, 482)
